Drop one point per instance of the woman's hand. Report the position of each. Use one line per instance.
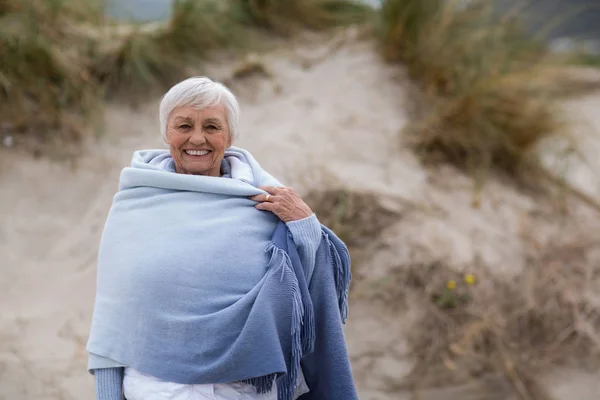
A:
(283, 202)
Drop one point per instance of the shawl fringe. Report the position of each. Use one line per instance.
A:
(340, 259)
(302, 324)
(303, 316)
(302, 331)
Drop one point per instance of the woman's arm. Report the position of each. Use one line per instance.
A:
(307, 235)
(299, 218)
(109, 383)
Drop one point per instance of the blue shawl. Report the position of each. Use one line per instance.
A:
(197, 286)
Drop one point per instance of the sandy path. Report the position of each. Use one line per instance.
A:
(330, 123)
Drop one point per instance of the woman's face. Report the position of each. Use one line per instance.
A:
(198, 139)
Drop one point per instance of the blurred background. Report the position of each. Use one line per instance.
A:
(453, 145)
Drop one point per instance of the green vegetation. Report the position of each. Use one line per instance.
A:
(45, 85)
(157, 55)
(286, 17)
(490, 87)
(587, 59)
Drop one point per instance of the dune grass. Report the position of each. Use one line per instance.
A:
(490, 87)
(287, 16)
(149, 56)
(586, 59)
(45, 88)
(136, 63)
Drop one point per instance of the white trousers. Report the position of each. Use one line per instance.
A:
(138, 386)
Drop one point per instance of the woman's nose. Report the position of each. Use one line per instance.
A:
(197, 137)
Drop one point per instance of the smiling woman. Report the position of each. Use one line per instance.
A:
(198, 139)
(215, 282)
(199, 121)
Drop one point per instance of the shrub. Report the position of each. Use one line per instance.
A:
(489, 85)
(45, 89)
(285, 17)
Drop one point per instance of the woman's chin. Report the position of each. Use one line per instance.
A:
(197, 168)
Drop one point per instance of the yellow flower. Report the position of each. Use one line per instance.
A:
(451, 285)
(470, 279)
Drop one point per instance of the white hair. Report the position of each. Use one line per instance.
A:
(200, 92)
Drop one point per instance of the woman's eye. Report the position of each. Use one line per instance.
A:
(211, 127)
(185, 127)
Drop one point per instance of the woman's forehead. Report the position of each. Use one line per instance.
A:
(212, 112)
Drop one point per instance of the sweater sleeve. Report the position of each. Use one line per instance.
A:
(307, 237)
(109, 383)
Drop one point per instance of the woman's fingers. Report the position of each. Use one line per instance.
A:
(258, 197)
(272, 190)
(283, 202)
(262, 197)
(265, 206)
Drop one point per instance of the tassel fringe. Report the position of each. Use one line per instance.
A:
(303, 318)
(302, 330)
(340, 258)
(263, 384)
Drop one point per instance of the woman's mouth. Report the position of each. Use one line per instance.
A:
(196, 152)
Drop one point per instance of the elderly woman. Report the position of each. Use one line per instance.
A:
(215, 281)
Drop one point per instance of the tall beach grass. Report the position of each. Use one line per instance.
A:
(46, 90)
(285, 17)
(491, 89)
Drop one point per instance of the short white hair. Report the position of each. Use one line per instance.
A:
(200, 92)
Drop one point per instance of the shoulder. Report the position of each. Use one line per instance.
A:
(261, 176)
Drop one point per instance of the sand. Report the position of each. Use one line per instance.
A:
(327, 115)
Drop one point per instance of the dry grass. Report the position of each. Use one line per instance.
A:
(489, 86)
(356, 217)
(155, 56)
(135, 64)
(285, 17)
(509, 327)
(45, 88)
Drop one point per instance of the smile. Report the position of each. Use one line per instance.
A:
(197, 152)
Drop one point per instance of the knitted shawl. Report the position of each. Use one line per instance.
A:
(197, 286)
